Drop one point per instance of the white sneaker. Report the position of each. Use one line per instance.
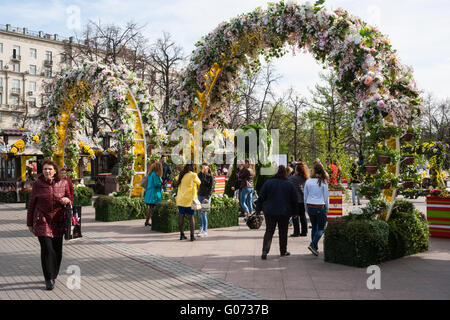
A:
(199, 232)
(204, 234)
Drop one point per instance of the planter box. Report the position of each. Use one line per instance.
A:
(335, 205)
(438, 215)
(371, 169)
(384, 159)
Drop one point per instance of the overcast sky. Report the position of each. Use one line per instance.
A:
(418, 29)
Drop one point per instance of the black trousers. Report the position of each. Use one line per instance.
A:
(302, 219)
(51, 256)
(271, 224)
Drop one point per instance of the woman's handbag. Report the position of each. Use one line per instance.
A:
(206, 207)
(196, 205)
(72, 228)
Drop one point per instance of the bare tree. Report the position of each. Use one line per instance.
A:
(164, 58)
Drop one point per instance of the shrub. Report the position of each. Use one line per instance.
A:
(109, 209)
(224, 213)
(8, 196)
(408, 230)
(356, 242)
(24, 195)
(82, 196)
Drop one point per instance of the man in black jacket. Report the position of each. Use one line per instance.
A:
(278, 200)
(167, 171)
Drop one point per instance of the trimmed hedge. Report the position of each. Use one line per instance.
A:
(356, 242)
(408, 230)
(8, 197)
(82, 196)
(360, 242)
(224, 213)
(110, 209)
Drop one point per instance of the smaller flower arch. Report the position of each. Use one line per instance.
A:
(130, 108)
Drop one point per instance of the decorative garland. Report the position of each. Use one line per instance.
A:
(370, 78)
(79, 88)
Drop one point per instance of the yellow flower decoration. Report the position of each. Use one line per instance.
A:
(20, 144)
(14, 150)
(36, 139)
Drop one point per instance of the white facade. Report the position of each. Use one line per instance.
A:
(27, 62)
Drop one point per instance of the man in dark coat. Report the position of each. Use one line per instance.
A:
(278, 200)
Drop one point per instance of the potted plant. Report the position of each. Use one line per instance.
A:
(386, 154)
(409, 159)
(409, 135)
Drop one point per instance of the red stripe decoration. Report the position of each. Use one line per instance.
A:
(335, 207)
(437, 214)
(220, 184)
(440, 234)
(335, 201)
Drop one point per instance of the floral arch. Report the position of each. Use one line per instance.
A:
(131, 113)
(371, 80)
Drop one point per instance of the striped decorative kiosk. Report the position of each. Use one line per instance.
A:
(335, 204)
(438, 215)
(220, 185)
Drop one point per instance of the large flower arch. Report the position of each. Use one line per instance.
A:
(131, 112)
(371, 80)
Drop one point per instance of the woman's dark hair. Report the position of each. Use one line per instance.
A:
(302, 170)
(52, 163)
(209, 167)
(319, 173)
(282, 173)
(186, 169)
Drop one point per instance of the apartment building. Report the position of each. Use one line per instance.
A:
(28, 60)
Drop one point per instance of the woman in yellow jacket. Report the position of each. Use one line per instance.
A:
(188, 184)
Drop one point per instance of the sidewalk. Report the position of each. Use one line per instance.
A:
(125, 260)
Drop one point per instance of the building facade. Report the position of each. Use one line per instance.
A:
(28, 61)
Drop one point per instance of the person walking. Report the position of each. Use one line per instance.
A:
(246, 176)
(45, 218)
(188, 183)
(299, 180)
(167, 171)
(153, 190)
(278, 201)
(355, 181)
(316, 204)
(237, 187)
(204, 196)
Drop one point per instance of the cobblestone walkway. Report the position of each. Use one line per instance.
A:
(109, 269)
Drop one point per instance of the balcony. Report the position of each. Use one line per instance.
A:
(15, 91)
(48, 62)
(16, 58)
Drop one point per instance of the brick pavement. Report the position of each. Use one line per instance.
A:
(109, 269)
(125, 260)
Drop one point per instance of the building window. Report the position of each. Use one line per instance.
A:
(16, 67)
(48, 56)
(11, 168)
(48, 72)
(16, 84)
(32, 102)
(1, 47)
(1, 64)
(33, 53)
(0, 113)
(14, 102)
(32, 69)
(2, 169)
(1, 98)
(16, 52)
(32, 86)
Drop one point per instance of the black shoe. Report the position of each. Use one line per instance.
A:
(49, 284)
(303, 235)
(148, 224)
(193, 238)
(264, 255)
(295, 235)
(286, 254)
(183, 237)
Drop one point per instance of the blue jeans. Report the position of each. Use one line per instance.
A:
(355, 193)
(246, 200)
(202, 215)
(318, 218)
